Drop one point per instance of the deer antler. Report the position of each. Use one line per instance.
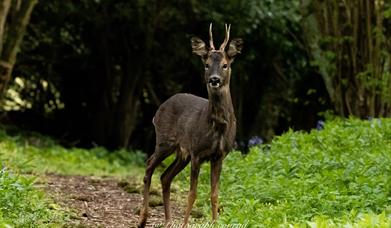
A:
(227, 29)
(212, 46)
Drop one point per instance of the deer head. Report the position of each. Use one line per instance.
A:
(217, 63)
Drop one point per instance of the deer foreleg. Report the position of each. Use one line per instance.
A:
(195, 171)
(216, 166)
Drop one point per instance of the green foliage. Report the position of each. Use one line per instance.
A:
(338, 176)
(38, 154)
(21, 205)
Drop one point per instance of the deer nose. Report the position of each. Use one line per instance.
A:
(214, 81)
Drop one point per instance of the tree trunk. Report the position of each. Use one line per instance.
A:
(11, 41)
(4, 9)
(127, 109)
(346, 40)
(120, 86)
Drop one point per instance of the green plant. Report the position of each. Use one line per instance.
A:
(22, 205)
(38, 154)
(29, 155)
(338, 175)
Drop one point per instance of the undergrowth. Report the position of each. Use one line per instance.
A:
(39, 154)
(22, 205)
(339, 176)
(26, 157)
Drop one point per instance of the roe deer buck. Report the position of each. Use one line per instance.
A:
(196, 129)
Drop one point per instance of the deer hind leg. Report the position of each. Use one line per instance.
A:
(178, 165)
(195, 171)
(156, 158)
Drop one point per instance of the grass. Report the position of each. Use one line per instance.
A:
(39, 154)
(21, 205)
(26, 156)
(339, 176)
(336, 177)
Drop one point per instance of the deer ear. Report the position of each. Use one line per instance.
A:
(235, 47)
(199, 47)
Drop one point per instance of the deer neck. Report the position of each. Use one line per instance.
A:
(220, 107)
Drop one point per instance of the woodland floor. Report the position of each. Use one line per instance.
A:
(104, 201)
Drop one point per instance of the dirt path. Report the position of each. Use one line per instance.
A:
(102, 202)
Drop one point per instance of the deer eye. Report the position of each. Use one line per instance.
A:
(206, 66)
(225, 66)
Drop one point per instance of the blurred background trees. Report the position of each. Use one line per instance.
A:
(14, 17)
(93, 72)
(349, 41)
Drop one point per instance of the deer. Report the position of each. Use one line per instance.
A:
(196, 129)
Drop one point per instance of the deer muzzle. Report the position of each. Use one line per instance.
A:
(214, 81)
